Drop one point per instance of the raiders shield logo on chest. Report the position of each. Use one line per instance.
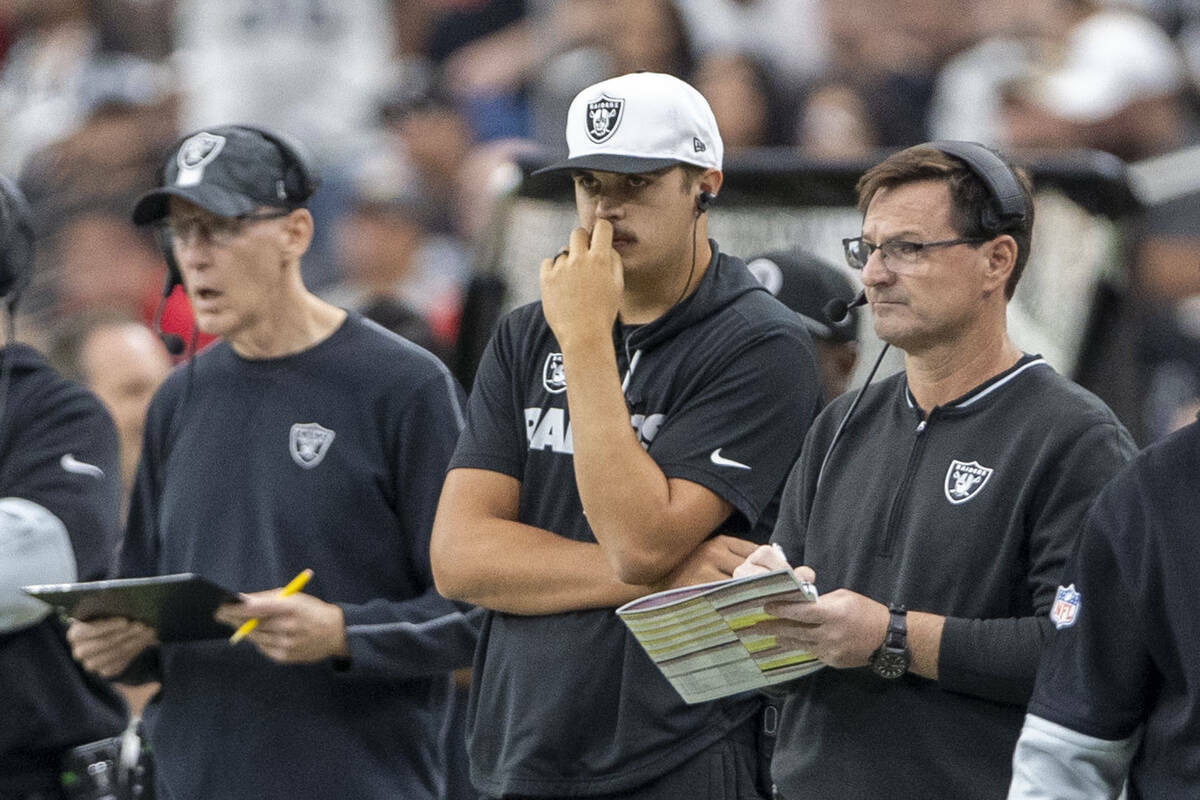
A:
(308, 443)
(965, 480)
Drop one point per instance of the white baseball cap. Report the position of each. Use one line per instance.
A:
(640, 122)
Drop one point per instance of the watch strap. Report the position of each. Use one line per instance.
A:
(892, 659)
(897, 630)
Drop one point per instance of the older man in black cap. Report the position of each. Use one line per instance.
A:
(308, 437)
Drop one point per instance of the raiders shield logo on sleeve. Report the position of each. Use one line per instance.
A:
(603, 117)
(965, 479)
(194, 154)
(553, 378)
(308, 443)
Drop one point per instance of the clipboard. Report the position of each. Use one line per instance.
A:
(704, 639)
(179, 607)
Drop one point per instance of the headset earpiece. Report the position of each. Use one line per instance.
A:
(704, 200)
(299, 178)
(1008, 205)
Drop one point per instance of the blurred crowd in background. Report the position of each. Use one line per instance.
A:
(410, 106)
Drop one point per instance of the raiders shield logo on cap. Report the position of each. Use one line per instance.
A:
(194, 154)
(308, 443)
(603, 117)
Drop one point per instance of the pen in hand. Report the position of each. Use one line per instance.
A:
(296, 584)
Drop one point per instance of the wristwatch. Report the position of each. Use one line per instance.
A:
(892, 658)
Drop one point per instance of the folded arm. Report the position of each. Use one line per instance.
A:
(646, 523)
(482, 555)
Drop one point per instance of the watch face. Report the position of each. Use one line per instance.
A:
(891, 664)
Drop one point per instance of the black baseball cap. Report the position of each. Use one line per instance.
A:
(230, 170)
(806, 283)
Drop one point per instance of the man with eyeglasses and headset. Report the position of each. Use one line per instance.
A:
(307, 437)
(937, 523)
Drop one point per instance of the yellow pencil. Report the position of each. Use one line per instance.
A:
(295, 585)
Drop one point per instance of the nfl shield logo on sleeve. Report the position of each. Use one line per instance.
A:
(308, 443)
(1065, 610)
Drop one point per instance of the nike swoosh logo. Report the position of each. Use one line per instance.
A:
(71, 464)
(721, 461)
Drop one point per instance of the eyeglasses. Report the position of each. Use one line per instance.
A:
(897, 253)
(219, 231)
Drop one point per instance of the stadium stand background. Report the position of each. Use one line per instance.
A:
(426, 115)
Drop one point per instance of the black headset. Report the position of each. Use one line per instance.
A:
(299, 178)
(16, 241)
(703, 201)
(1009, 205)
(299, 183)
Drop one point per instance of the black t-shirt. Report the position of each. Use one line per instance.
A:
(332, 459)
(1128, 623)
(720, 391)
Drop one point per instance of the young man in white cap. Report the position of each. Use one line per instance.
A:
(632, 430)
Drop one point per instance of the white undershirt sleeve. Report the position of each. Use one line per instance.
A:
(1053, 762)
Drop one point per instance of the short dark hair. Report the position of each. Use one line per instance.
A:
(969, 197)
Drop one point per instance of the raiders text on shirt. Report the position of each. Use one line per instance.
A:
(550, 428)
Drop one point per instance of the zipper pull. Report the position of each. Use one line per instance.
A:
(921, 425)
